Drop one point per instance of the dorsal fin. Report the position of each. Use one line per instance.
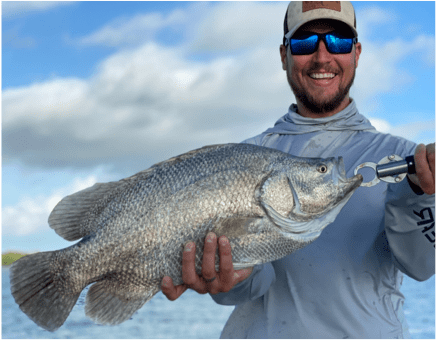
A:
(189, 154)
(71, 218)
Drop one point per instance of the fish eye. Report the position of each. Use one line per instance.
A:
(322, 168)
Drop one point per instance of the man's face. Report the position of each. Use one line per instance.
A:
(320, 81)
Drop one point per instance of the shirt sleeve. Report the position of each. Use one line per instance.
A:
(409, 225)
(251, 288)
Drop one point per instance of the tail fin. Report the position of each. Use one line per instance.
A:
(35, 290)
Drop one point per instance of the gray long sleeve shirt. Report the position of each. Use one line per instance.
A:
(346, 283)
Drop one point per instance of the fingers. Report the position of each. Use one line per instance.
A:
(424, 164)
(226, 273)
(208, 271)
(189, 275)
(227, 277)
(170, 291)
(210, 281)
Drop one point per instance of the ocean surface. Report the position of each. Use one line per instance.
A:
(192, 316)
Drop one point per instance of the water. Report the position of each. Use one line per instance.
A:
(192, 316)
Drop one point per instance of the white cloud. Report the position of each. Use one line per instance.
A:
(426, 44)
(409, 131)
(224, 27)
(381, 125)
(373, 18)
(141, 102)
(140, 28)
(150, 102)
(375, 15)
(30, 215)
(379, 69)
(238, 25)
(15, 9)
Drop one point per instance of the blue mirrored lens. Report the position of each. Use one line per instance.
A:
(308, 44)
(338, 45)
(304, 45)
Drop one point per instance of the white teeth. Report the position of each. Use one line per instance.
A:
(321, 75)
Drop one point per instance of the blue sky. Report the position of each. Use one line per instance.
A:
(97, 91)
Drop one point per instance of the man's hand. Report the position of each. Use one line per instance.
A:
(210, 281)
(424, 164)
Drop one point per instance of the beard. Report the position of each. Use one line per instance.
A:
(315, 104)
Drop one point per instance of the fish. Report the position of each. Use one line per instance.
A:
(266, 202)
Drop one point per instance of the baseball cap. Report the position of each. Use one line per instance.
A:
(301, 12)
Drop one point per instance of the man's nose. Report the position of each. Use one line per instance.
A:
(321, 54)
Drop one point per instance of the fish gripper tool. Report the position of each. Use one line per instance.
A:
(390, 169)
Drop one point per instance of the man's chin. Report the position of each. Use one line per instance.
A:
(324, 106)
(327, 105)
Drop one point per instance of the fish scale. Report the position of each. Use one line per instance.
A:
(132, 232)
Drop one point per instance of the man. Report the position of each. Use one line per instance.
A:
(346, 283)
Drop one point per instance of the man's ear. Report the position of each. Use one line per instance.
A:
(358, 50)
(283, 51)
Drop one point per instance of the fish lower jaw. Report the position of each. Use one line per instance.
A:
(313, 231)
(313, 227)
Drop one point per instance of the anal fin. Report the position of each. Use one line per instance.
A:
(112, 302)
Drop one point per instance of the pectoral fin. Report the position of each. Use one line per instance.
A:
(239, 228)
(233, 227)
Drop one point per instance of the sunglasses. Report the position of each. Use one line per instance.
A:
(308, 43)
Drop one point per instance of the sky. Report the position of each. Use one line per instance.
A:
(97, 91)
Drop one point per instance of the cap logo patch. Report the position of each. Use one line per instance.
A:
(310, 5)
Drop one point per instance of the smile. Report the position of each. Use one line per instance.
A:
(322, 75)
